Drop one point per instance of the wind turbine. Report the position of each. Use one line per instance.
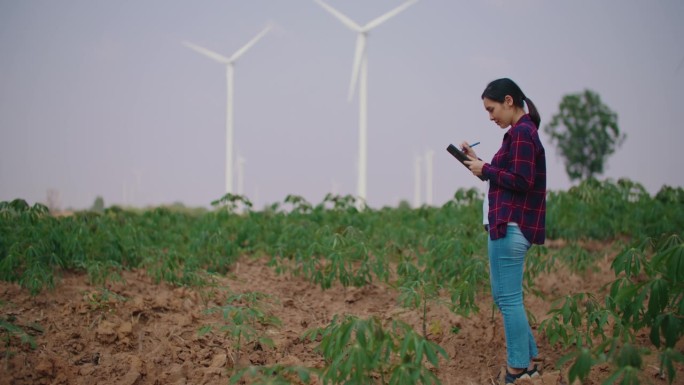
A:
(429, 155)
(230, 71)
(360, 74)
(417, 178)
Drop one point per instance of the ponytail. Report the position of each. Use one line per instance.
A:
(534, 114)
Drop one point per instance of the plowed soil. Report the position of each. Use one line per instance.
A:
(135, 331)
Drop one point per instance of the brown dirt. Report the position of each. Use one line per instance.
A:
(147, 333)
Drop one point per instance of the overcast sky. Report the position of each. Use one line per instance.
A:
(100, 98)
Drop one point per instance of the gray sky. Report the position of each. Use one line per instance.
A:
(101, 98)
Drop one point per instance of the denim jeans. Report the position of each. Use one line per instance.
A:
(506, 264)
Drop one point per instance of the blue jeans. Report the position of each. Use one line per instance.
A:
(506, 264)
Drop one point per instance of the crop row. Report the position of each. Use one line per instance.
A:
(331, 241)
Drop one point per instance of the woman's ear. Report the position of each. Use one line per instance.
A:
(508, 101)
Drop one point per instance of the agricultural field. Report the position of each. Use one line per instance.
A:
(301, 293)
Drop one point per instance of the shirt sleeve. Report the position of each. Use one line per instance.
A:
(519, 176)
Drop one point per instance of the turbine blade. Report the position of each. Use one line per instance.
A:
(343, 18)
(247, 46)
(358, 56)
(210, 54)
(379, 20)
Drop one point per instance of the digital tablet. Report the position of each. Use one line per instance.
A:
(461, 156)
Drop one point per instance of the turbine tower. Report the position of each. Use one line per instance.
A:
(229, 62)
(417, 178)
(360, 74)
(429, 167)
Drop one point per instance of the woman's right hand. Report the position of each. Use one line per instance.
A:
(468, 150)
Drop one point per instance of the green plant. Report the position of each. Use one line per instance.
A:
(9, 331)
(648, 293)
(663, 286)
(272, 375)
(537, 260)
(232, 202)
(360, 351)
(577, 258)
(417, 288)
(102, 299)
(326, 243)
(243, 316)
(579, 320)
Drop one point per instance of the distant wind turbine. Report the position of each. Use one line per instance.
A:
(416, 181)
(418, 178)
(230, 70)
(360, 74)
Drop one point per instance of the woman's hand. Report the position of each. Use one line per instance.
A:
(475, 165)
(465, 147)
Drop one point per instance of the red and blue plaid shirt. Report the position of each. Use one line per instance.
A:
(517, 183)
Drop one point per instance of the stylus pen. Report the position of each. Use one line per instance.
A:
(474, 144)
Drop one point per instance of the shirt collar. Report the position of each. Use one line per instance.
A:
(525, 119)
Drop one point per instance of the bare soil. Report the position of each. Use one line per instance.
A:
(135, 331)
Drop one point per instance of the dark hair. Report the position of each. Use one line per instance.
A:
(499, 88)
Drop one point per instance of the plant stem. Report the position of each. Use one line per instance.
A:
(237, 354)
(424, 315)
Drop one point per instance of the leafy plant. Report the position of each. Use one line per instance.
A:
(361, 351)
(648, 292)
(579, 320)
(326, 243)
(243, 317)
(233, 202)
(9, 331)
(577, 258)
(273, 375)
(416, 289)
(102, 298)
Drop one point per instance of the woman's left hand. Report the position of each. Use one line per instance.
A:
(475, 165)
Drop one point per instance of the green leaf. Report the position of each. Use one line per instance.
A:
(675, 269)
(672, 329)
(654, 336)
(204, 330)
(629, 355)
(613, 377)
(430, 354)
(582, 366)
(667, 359)
(659, 297)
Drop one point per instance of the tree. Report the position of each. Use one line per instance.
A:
(98, 205)
(586, 132)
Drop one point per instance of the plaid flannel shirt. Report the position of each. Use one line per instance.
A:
(517, 183)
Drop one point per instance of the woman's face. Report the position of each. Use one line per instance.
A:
(500, 113)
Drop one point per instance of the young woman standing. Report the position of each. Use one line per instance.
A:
(516, 214)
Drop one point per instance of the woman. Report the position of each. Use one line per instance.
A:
(516, 213)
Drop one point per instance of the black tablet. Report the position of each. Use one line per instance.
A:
(461, 156)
